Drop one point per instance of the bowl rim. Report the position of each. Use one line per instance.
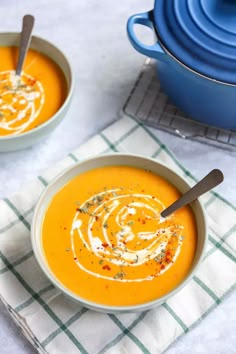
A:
(65, 103)
(90, 304)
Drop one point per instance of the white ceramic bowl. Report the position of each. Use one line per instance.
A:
(21, 141)
(108, 160)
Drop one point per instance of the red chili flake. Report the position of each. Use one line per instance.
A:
(75, 258)
(153, 197)
(77, 209)
(112, 245)
(65, 228)
(143, 222)
(162, 266)
(31, 82)
(105, 245)
(96, 217)
(124, 242)
(91, 229)
(106, 267)
(142, 190)
(138, 219)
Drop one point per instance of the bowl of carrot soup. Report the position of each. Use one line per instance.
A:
(34, 103)
(98, 236)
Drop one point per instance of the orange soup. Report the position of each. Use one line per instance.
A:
(34, 97)
(104, 239)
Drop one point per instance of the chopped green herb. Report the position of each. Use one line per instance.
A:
(136, 259)
(98, 198)
(119, 275)
(67, 249)
(105, 225)
(101, 261)
(88, 204)
(130, 223)
(83, 210)
(21, 85)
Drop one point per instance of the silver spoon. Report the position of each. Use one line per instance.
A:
(211, 180)
(27, 26)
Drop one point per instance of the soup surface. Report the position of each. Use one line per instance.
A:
(103, 237)
(34, 97)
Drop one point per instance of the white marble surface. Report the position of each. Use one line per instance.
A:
(93, 35)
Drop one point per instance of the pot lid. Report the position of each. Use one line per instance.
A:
(201, 34)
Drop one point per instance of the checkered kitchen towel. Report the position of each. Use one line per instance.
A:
(54, 323)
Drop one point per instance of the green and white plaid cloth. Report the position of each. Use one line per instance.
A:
(54, 323)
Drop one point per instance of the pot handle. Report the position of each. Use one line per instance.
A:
(146, 19)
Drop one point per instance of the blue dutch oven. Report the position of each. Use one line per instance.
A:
(196, 53)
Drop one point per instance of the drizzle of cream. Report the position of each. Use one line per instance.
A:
(120, 254)
(16, 84)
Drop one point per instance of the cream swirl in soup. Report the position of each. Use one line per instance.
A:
(31, 99)
(125, 230)
(21, 101)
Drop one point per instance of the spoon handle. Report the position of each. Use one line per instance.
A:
(27, 26)
(210, 181)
